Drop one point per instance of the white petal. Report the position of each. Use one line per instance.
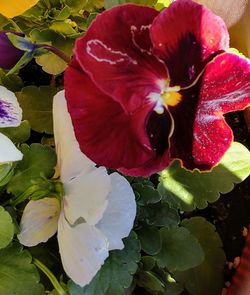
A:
(86, 196)
(39, 221)
(118, 219)
(230, 10)
(8, 151)
(10, 111)
(70, 158)
(83, 250)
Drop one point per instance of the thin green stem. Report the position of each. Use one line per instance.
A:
(50, 276)
(15, 25)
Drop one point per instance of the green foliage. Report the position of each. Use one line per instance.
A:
(18, 134)
(180, 250)
(150, 239)
(116, 273)
(111, 3)
(13, 82)
(6, 228)
(17, 275)
(198, 280)
(187, 190)
(36, 104)
(38, 160)
(6, 172)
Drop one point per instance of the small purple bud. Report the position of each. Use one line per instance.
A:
(9, 54)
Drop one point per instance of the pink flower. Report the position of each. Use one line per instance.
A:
(145, 88)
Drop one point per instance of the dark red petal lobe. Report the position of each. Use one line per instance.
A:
(106, 134)
(116, 52)
(185, 35)
(201, 135)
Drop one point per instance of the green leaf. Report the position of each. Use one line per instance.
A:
(12, 82)
(150, 281)
(38, 160)
(148, 194)
(187, 190)
(18, 134)
(180, 250)
(160, 214)
(207, 278)
(6, 172)
(116, 273)
(36, 103)
(63, 28)
(6, 228)
(50, 62)
(110, 3)
(17, 275)
(150, 239)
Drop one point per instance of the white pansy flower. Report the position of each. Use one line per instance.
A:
(10, 116)
(96, 213)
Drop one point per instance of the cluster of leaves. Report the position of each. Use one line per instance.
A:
(165, 253)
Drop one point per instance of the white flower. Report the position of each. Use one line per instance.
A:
(96, 213)
(10, 116)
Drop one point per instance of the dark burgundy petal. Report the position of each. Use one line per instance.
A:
(201, 135)
(9, 54)
(185, 35)
(106, 134)
(116, 52)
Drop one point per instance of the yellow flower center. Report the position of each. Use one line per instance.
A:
(171, 98)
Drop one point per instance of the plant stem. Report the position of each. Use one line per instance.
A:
(58, 52)
(50, 276)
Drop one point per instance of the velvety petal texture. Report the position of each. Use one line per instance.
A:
(138, 103)
(224, 87)
(99, 121)
(116, 53)
(185, 35)
(39, 221)
(9, 54)
(11, 8)
(236, 14)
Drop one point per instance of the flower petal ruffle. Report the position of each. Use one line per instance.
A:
(10, 111)
(39, 221)
(83, 250)
(116, 53)
(86, 196)
(185, 35)
(201, 134)
(105, 132)
(71, 161)
(118, 218)
(8, 151)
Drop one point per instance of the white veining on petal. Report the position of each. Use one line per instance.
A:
(135, 30)
(106, 54)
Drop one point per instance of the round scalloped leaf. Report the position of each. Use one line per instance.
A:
(187, 190)
(17, 275)
(18, 134)
(116, 273)
(180, 250)
(38, 160)
(207, 278)
(36, 103)
(6, 228)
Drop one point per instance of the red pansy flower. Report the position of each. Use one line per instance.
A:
(145, 88)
